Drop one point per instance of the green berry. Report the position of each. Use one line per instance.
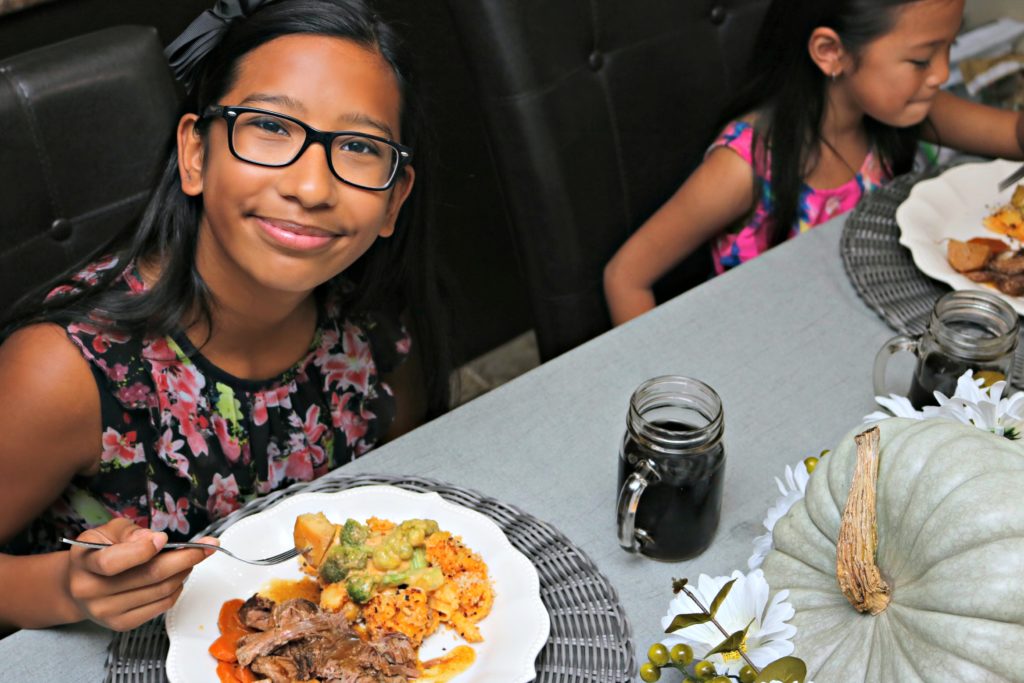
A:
(658, 654)
(810, 463)
(704, 670)
(681, 653)
(720, 679)
(747, 674)
(649, 672)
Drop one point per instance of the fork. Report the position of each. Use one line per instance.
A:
(1011, 179)
(273, 559)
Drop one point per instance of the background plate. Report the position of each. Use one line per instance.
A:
(952, 206)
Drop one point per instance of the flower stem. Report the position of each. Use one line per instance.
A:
(715, 622)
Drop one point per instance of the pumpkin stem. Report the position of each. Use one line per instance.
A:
(858, 575)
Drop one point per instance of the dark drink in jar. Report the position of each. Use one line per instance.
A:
(671, 469)
(967, 330)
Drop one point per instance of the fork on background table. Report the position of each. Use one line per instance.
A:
(1011, 179)
(273, 559)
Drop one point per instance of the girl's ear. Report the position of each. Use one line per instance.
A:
(190, 155)
(826, 51)
(399, 193)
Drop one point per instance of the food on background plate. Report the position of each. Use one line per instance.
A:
(1009, 218)
(988, 260)
(380, 589)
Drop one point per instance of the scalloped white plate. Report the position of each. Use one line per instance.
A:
(514, 631)
(952, 205)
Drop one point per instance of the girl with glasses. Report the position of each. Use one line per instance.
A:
(251, 332)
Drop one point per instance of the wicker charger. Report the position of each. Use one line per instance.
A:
(590, 638)
(883, 271)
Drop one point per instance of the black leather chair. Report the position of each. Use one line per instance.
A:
(596, 111)
(83, 124)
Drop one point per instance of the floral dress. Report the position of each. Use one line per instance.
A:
(748, 239)
(185, 443)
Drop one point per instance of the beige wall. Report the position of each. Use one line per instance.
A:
(982, 11)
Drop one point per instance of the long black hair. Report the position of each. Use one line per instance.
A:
(788, 92)
(395, 274)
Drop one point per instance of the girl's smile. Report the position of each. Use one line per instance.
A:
(296, 236)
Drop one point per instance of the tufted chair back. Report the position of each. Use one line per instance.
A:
(597, 110)
(82, 126)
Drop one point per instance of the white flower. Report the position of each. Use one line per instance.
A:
(768, 637)
(898, 406)
(792, 490)
(985, 408)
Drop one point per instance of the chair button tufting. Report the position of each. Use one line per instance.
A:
(60, 229)
(717, 14)
(595, 60)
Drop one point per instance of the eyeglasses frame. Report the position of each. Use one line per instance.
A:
(313, 135)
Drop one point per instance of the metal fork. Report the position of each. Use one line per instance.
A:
(273, 559)
(1011, 179)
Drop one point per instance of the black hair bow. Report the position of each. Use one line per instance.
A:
(187, 51)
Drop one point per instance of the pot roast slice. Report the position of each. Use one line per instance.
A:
(276, 669)
(320, 624)
(301, 642)
(256, 613)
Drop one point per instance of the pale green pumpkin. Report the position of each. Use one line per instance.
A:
(950, 526)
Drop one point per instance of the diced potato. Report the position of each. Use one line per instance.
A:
(964, 256)
(1007, 221)
(333, 597)
(316, 532)
(1018, 198)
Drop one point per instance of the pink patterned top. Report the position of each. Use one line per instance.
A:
(186, 443)
(743, 241)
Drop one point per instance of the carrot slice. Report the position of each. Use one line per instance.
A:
(226, 672)
(228, 619)
(223, 649)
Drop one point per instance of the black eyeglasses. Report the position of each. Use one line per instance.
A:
(266, 138)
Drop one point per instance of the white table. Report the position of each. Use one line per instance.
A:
(785, 341)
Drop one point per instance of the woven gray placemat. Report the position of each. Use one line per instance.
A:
(590, 637)
(882, 270)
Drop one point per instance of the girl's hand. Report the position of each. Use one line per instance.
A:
(129, 583)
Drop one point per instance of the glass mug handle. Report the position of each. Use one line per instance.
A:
(900, 342)
(630, 537)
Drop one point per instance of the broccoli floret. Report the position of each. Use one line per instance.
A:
(394, 578)
(354, 533)
(340, 560)
(427, 579)
(419, 558)
(332, 572)
(360, 587)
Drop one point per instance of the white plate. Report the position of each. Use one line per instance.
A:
(953, 205)
(514, 631)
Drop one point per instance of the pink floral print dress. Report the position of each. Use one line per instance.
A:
(749, 238)
(185, 443)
